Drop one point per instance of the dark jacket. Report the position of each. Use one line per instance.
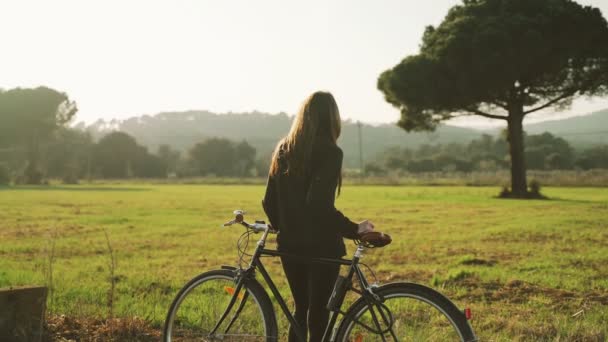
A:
(302, 208)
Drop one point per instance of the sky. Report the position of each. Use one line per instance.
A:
(123, 58)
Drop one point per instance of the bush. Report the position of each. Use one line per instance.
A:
(372, 169)
(533, 191)
(505, 192)
(70, 178)
(534, 188)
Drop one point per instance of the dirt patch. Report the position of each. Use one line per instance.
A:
(523, 237)
(62, 328)
(597, 297)
(19, 231)
(460, 251)
(537, 331)
(504, 257)
(478, 262)
(154, 287)
(31, 231)
(518, 291)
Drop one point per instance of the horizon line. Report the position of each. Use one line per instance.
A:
(475, 126)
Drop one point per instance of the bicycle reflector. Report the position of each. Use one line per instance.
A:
(230, 291)
(467, 313)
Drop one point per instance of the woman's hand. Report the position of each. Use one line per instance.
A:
(365, 227)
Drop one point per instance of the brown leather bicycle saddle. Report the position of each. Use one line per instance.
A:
(375, 239)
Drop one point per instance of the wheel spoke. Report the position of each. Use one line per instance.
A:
(405, 316)
(211, 309)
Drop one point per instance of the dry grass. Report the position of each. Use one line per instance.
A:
(64, 329)
(529, 270)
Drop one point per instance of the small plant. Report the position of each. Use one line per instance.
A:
(534, 188)
(69, 178)
(457, 276)
(505, 192)
(112, 278)
(533, 191)
(453, 277)
(48, 269)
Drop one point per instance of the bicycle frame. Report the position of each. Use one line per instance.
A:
(248, 274)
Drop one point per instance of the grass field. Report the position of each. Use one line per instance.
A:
(529, 270)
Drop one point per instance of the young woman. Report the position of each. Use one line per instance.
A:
(305, 173)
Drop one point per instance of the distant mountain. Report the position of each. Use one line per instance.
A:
(580, 131)
(182, 130)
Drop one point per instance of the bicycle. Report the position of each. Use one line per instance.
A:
(216, 305)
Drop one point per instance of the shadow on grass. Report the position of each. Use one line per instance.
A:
(548, 199)
(69, 188)
(568, 200)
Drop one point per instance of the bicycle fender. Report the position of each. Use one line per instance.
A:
(413, 286)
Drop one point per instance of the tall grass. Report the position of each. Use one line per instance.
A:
(565, 178)
(48, 268)
(112, 276)
(557, 178)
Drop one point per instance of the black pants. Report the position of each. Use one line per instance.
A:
(311, 286)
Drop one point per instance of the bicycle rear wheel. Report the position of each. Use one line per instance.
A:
(409, 312)
(198, 307)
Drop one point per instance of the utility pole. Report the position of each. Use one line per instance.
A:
(361, 169)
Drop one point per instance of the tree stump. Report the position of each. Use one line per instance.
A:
(22, 313)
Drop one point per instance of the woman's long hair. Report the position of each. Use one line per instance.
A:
(318, 119)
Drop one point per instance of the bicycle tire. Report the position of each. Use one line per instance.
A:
(188, 320)
(421, 314)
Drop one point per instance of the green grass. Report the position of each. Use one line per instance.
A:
(529, 270)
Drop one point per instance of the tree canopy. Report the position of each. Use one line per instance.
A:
(117, 155)
(501, 59)
(222, 157)
(39, 111)
(29, 116)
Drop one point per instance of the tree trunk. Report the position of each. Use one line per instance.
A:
(516, 151)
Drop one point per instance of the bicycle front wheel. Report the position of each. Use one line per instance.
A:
(201, 311)
(409, 312)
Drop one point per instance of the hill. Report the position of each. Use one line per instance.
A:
(580, 131)
(182, 130)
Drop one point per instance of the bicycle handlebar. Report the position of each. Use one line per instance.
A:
(368, 240)
(257, 227)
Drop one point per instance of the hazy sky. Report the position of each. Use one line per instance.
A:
(122, 58)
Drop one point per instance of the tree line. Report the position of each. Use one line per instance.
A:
(36, 144)
(487, 153)
(71, 155)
